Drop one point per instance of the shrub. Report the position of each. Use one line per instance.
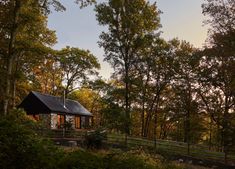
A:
(137, 159)
(94, 139)
(87, 160)
(81, 160)
(21, 147)
(130, 160)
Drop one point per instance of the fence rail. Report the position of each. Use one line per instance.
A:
(168, 146)
(197, 151)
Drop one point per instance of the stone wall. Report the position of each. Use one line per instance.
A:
(54, 121)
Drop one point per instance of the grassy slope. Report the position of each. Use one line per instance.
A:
(198, 151)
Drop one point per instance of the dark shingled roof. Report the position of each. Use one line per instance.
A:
(35, 101)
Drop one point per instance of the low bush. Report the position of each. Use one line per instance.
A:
(95, 139)
(130, 161)
(137, 159)
(113, 160)
(21, 147)
(81, 160)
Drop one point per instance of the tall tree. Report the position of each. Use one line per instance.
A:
(218, 66)
(23, 29)
(221, 16)
(184, 83)
(77, 65)
(128, 23)
(46, 75)
(113, 112)
(153, 72)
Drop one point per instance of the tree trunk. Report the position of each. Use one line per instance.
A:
(149, 116)
(146, 126)
(226, 135)
(11, 55)
(14, 82)
(127, 107)
(143, 105)
(8, 85)
(210, 134)
(142, 120)
(14, 93)
(155, 129)
(155, 120)
(188, 132)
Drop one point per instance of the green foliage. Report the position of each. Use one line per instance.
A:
(131, 160)
(91, 100)
(24, 39)
(220, 14)
(21, 147)
(114, 117)
(94, 139)
(81, 160)
(217, 70)
(113, 160)
(84, 3)
(87, 97)
(129, 23)
(113, 112)
(77, 65)
(68, 125)
(136, 159)
(58, 6)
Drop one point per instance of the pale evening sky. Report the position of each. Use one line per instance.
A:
(78, 27)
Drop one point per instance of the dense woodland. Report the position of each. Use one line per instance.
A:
(159, 89)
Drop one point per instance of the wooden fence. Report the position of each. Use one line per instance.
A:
(171, 147)
(165, 146)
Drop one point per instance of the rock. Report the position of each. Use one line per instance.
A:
(181, 160)
(72, 143)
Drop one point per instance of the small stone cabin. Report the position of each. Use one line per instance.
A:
(56, 111)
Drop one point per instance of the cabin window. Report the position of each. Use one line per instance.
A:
(60, 121)
(77, 122)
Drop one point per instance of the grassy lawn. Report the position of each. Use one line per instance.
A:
(167, 147)
(171, 147)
